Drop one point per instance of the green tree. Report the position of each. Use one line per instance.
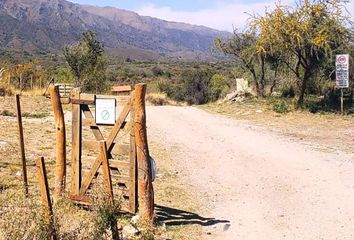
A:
(243, 47)
(64, 75)
(303, 37)
(87, 63)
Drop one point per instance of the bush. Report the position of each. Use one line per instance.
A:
(157, 71)
(218, 87)
(280, 107)
(288, 91)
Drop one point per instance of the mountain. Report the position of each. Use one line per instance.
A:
(45, 26)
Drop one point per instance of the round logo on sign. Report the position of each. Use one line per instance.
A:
(341, 59)
(105, 115)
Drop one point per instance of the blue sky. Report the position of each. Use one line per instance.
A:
(218, 14)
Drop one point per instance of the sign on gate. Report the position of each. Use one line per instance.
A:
(342, 71)
(105, 111)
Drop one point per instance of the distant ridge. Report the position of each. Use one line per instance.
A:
(45, 26)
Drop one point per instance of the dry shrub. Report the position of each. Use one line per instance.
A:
(160, 99)
(6, 91)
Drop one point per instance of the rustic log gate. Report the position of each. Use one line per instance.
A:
(122, 174)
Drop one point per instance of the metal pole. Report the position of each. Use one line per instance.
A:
(341, 101)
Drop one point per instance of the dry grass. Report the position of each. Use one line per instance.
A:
(72, 222)
(327, 132)
(161, 99)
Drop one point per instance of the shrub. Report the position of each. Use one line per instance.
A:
(157, 71)
(288, 91)
(218, 87)
(280, 107)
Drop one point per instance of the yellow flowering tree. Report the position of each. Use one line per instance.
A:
(304, 37)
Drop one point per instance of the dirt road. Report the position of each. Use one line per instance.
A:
(266, 185)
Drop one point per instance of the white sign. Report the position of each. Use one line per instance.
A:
(105, 111)
(342, 71)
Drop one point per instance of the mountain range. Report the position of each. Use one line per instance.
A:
(45, 26)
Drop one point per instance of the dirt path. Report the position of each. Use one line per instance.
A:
(266, 185)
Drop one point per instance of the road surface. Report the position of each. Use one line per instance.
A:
(266, 185)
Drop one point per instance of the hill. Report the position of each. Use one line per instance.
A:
(43, 26)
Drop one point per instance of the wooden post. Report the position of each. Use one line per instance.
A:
(132, 157)
(145, 191)
(61, 140)
(76, 144)
(46, 202)
(106, 172)
(22, 145)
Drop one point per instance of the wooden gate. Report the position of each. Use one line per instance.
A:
(118, 150)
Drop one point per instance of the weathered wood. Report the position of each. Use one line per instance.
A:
(132, 159)
(145, 190)
(109, 142)
(120, 149)
(85, 200)
(22, 145)
(106, 170)
(61, 140)
(82, 102)
(88, 115)
(76, 145)
(46, 202)
(119, 164)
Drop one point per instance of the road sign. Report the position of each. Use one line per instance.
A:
(105, 111)
(342, 71)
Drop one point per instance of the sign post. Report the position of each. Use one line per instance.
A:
(342, 75)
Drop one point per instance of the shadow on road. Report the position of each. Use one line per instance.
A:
(175, 217)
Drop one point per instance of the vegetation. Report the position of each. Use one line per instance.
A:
(87, 63)
(297, 41)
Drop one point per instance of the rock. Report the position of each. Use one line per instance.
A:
(135, 219)
(259, 111)
(129, 230)
(231, 96)
(226, 227)
(18, 174)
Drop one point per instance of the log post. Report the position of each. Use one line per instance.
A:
(61, 140)
(46, 202)
(22, 145)
(145, 190)
(76, 143)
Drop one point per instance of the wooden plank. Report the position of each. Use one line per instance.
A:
(22, 145)
(88, 115)
(109, 142)
(106, 170)
(118, 164)
(82, 102)
(85, 200)
(120, 149)
(121, 88)
(76, 145)
(88, 122)
(47, 204)
(132, 158)
(61, 140)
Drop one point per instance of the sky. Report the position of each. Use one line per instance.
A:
(218, 14)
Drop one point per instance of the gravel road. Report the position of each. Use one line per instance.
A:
(266, 185)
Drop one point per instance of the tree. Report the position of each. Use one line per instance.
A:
(303, 37)
(86, 61)
(243, 47)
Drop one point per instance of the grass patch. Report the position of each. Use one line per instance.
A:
(35, 114)
(7, 113)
